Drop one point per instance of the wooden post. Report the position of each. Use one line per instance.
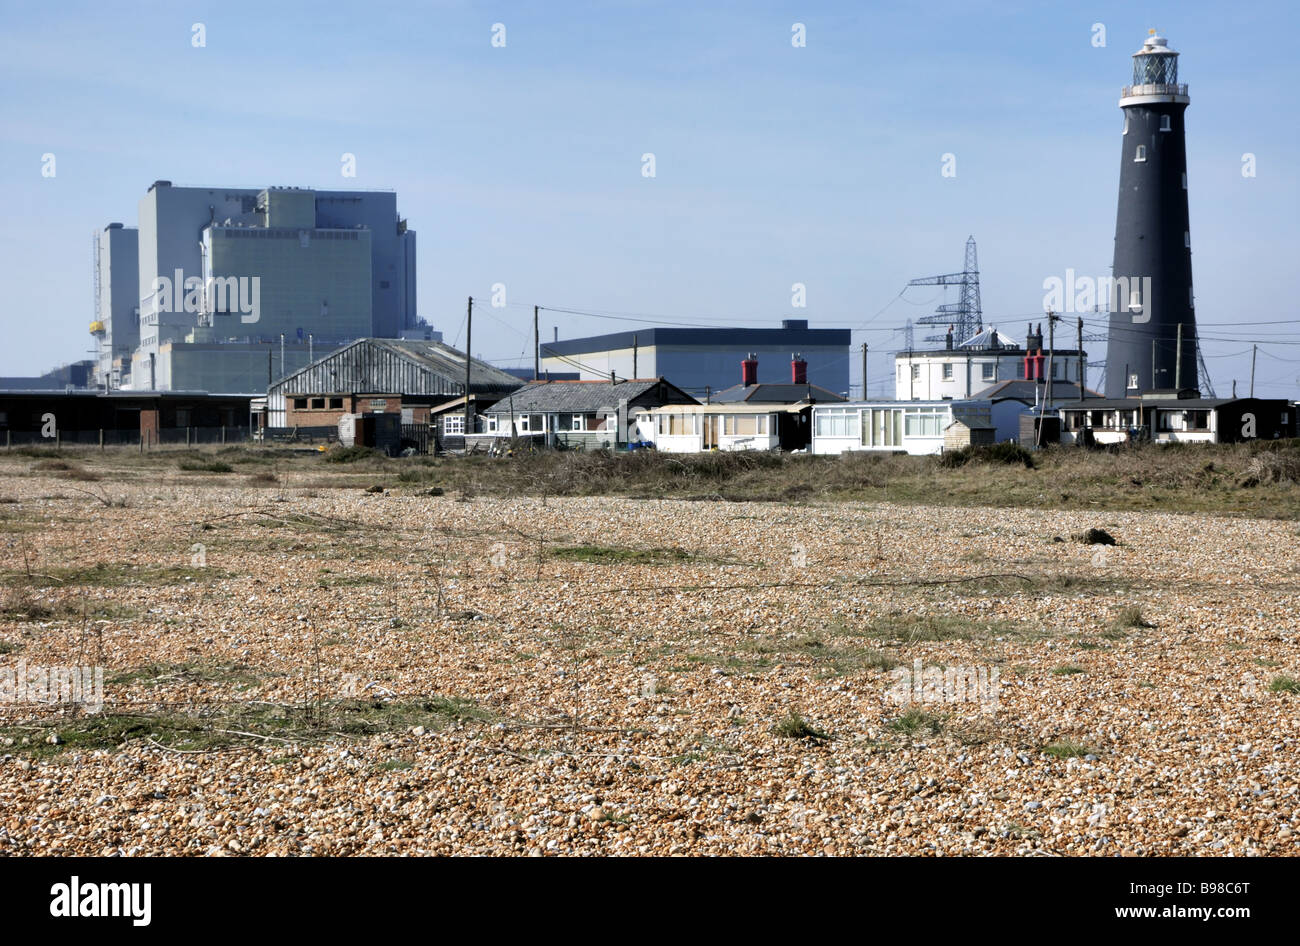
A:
(1254, 350)
(864, 371)
(101, 438)
(537, 347)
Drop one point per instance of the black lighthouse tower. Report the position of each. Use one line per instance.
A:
(1152, 343)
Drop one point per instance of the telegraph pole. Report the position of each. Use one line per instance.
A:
(1047, 394)
(1083, 365)
(864, 371)
(469, 328)
(1254, 349)
(537, 347)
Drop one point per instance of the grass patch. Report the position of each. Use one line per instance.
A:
(206, 466)
(7, 647)
(228, 725)
(106, 575)
(794, 726)
(152, 675)
(1284, 684)
(1130, 616)
(917, 722)
(1066, 749)
(1066, 670)
(612, 555)
(353, 454)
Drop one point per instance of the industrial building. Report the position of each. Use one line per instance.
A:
(232, 282)
(1152, 343)
(116, 324)
(703, 360)
(122, 417)
(384, 375)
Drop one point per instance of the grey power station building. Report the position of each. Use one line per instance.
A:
(234, 287)
(1152, 342)
(702, 359)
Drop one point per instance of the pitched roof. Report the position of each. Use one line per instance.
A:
(1029, 391)
(585, 397)
(395, 366)
(778, 393)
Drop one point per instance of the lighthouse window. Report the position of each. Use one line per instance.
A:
(1126, 123)
(1164, 123)
(1187, 239)
(1184, 180)
(1141, 154)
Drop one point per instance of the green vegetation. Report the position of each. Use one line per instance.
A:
(1066, 670)
(1130, 617)
(918, 722)
(242, 724)
(1284, 684)
(1066, 749)
(795, 726)
(610, 555)
(206, 466)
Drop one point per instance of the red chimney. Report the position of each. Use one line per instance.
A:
(798, 370)
(749, 371)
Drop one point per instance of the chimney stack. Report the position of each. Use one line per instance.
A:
(947, 342)
(798, 370)
(749, 371)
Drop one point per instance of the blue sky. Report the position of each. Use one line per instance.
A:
(774, 164)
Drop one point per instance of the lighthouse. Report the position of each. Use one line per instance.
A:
(1152, 341)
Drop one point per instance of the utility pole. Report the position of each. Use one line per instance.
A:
(1254, 349)
(537, 347)
(864, 371)
(1047, 393)
(1083, 365)
(634, 354)
(469, 328)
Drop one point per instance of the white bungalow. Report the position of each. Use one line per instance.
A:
(695, 428)
(915, 427)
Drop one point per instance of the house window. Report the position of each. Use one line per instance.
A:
(676, 425)
(926, 422)
(836, 422)
(318, 403)
(1164, 123)
(455, 424)
(1133, 382)
(300, 404)
(1141, 154)
(336, 403)
(577, 422)
(947, 371)
(916, 372)
(989, 371)
(531, 424)
(1056, 371)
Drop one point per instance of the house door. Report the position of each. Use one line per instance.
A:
(710, 430)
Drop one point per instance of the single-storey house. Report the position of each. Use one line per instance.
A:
(916, 427)
(588, 414)
(1164, 417)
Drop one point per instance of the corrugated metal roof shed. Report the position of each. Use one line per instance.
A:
(396, 366)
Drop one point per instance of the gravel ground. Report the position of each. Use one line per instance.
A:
(642, 703)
